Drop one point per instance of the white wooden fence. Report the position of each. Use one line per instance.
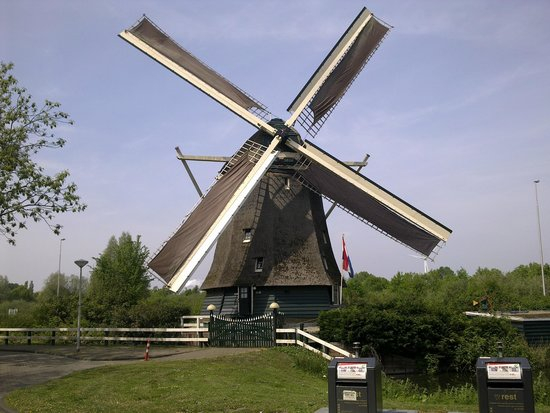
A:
(105, 335)
(193, 330)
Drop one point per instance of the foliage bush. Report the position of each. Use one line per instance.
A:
(420, 316)
(162, 308)
(25, 316)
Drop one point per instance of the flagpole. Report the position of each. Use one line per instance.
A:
(342, 272)
(341, 287)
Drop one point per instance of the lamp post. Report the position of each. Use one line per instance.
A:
(540, 239)
(59, 267)
(80, 263)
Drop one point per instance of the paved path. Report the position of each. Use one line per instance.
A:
(22, 366)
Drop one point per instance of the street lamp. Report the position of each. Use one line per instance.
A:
(59, 267)
(540, 239)
(80, 263)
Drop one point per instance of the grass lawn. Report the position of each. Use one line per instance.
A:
(275, 380)
(262, 381)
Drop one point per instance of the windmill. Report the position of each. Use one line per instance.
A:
(265, 207)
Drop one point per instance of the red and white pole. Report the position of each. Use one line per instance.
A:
(147, 350)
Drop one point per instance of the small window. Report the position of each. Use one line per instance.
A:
(325, 264)
(247, 235)
(259, 266)
(335, 294)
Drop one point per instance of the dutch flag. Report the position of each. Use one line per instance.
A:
(346, 261)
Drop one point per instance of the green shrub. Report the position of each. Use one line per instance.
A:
(161, 309)
(307, 361)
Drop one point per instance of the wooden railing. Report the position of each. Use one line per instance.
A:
(309, 341)
(105, 335)
(194, 321)
(193, 332)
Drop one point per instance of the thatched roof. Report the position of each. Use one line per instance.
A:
(288, 230)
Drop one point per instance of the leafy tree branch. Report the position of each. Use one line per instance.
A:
(27, 192)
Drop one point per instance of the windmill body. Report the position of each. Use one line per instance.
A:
(265, 208)
(276, 248)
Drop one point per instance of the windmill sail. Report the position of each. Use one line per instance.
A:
(183, 252)
(335, 75)
(152, 41)
(369, 201)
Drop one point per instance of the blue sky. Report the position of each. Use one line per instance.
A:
(454, 109)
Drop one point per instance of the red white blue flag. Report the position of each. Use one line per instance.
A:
(346, 260)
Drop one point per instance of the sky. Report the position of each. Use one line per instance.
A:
(454, 110)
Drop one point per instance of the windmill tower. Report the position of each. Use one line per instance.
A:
(265, 208)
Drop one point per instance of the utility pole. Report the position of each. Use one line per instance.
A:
(540, 240)
(59, 266)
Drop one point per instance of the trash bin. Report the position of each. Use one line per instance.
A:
(354, 385)
(504, 385)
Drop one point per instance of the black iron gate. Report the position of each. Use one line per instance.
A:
(227, 331)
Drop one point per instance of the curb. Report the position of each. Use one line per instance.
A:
(3, 407)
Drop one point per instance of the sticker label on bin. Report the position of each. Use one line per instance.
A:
(349, 395)
(504, 371)
(352, 371)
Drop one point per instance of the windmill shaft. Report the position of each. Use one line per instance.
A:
(360, 165)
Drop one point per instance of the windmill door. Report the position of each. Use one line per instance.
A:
(245, 301)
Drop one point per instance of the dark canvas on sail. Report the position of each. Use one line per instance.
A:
(162, 43)
(178, 248)
(341, 77)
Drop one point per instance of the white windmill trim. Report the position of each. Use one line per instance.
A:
(198, 83)
(327, 67)
(371, 189)
(182, 275)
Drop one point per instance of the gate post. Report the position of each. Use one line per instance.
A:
(211, 308)
(275, 307)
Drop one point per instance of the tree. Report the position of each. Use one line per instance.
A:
(118, 281)
(55, 310)
(26, 191)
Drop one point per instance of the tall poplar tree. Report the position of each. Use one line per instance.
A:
(118, 281)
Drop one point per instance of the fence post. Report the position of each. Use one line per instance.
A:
(106, 334)
(29, 339)
(52, 342)
(6, 340)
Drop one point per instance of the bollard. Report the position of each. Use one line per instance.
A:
(147, 350)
